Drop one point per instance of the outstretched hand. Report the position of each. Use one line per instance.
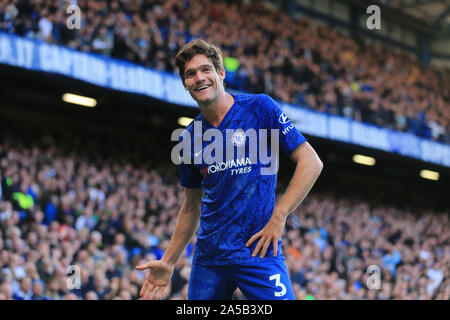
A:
(157, 279)
(270, 233)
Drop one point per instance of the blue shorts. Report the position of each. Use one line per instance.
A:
(267, 279)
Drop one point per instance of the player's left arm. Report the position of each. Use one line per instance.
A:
(308, 168)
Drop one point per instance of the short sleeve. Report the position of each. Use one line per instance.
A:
(190, 176)
(290, 137)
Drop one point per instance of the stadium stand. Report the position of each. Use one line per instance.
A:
(74, 199)
(296, 61)
(107, 203)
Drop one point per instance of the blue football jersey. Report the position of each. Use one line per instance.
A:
(238, 199)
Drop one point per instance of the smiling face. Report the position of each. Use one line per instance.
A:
(201, 78)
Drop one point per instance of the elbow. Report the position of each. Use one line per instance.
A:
(312, 164)
(319, 166)
(306, 156)
(316, 164)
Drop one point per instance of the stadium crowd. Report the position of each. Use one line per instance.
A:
(105, 206)
(294, 60)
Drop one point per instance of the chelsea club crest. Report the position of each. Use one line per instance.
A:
(238, 138)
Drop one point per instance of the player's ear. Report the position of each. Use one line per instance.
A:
(184, 84)
(222, 74)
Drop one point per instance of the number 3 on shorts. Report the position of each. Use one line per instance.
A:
(278, 284)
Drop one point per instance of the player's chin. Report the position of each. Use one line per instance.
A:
(204, 97)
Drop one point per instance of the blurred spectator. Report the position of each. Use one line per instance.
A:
(111, 213)
(265, 50)
(38, 291)
(24, 291)
(73, 200)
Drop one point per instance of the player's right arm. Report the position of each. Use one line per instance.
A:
(161, 270)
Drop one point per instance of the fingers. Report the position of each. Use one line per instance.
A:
(147, 288)
(275, 247)
(145, 266)
(161, 293)
(263, 244)
(153, 293)
(144, 286)
(264, 249)
(148, 291)
(258, 246)
(157, 292)
(252, 239)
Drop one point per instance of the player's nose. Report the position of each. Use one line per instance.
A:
(199, 78)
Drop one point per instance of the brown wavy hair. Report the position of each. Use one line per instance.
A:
(195, 47)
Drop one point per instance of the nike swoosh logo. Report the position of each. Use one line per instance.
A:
(197, 154)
